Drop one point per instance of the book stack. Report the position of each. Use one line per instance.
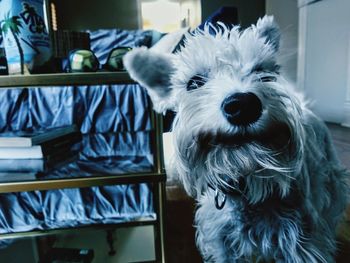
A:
(26, 154)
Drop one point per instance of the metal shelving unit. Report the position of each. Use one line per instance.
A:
(63, 79)
(157, 176)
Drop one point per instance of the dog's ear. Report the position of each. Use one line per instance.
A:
(268, 29)
(152, 70)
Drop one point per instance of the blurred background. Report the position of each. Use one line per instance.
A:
(315, 36)
(315, 55)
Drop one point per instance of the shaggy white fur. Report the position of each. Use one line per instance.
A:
(260, 164)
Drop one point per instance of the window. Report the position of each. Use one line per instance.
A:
(170, 15)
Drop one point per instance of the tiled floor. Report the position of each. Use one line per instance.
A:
(180, 209)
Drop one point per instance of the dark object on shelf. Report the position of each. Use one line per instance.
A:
(53, 65)
(65, 255)
(3, 63)
(65, 40)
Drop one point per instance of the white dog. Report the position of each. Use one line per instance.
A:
(260, 164)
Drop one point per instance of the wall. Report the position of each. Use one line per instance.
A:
(87, 14)
(324, 68)
(286, 15)
(248, 10)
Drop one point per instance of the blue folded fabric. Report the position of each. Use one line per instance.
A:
(106, 108)
(120, 117)
(65, 208)
(112, 108)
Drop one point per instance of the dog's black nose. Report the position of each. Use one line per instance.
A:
(242, 108)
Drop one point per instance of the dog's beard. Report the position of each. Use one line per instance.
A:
(267, 161)
(276, 137)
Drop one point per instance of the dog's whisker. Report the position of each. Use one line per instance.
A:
(259, 170)
(263, 176)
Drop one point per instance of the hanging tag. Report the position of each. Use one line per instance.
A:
(220, 199)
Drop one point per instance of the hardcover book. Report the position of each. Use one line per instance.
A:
(28, 139)
(31, 169)
(49, 149)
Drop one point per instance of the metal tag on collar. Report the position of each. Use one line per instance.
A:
(220, 199)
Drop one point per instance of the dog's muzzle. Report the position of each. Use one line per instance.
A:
(242, 108)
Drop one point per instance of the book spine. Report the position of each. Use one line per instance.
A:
(34, 152)
(40, 151)
(22, 165)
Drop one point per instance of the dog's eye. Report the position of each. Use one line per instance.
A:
(196, 82)
(268, 79)
(274, 68)
(266, 73)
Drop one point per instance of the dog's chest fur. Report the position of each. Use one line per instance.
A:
(268, 212)
(254, 230)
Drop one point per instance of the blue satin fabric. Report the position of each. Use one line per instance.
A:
(106, 154)
(64, 208)
(105, 108)
(116, 125)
